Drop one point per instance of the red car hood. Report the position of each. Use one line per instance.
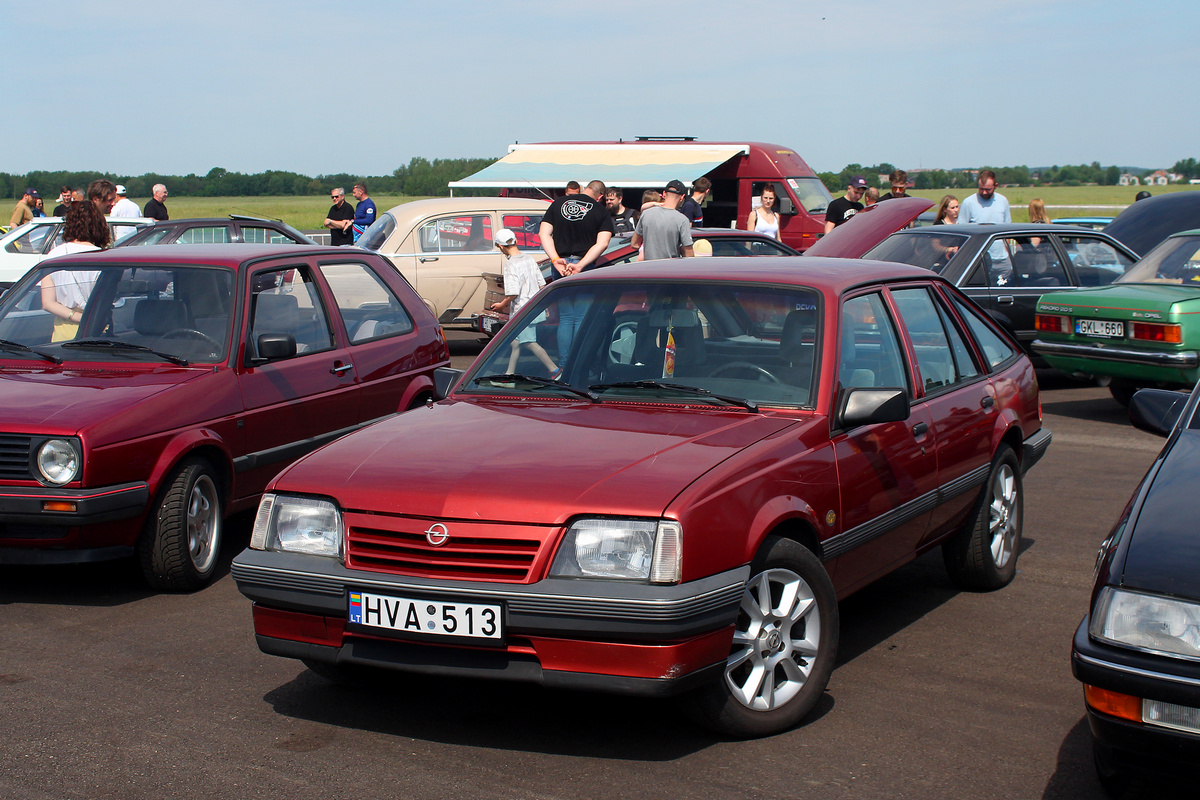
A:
(67, 399)
(869, 227)
(530, 463)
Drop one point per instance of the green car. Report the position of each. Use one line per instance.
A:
(1142, 330)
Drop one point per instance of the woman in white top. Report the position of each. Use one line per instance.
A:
(764, 219)
(65, 293)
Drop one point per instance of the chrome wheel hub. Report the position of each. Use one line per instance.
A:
(776, 641)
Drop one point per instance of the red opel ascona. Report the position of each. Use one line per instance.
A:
(660, 478)
(148, 392)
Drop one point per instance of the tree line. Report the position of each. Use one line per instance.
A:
(1067, 175)
(420, 176)
(425, 177)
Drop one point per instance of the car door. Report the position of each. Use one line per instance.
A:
(452, 253)
(957, 394)
(1018, 269)
(887, 472)
(382, 337)
(295, 402)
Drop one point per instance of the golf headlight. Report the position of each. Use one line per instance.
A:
(58, 461)
(1147, 622)
(297, 525)
(620, 549)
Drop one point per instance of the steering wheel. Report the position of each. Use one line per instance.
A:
(192, 333)
(748, 367)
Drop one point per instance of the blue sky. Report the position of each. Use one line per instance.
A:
(363, 86)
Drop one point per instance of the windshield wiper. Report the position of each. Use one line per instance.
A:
(17, 347)
(749, 405)
(110, 344)
(512, 377)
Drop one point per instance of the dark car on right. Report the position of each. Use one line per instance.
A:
(1006, 268)
(234, 229)
(1137, 652)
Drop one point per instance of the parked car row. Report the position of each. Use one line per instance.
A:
(688, 480)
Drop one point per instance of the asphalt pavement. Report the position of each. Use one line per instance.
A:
(109, 690)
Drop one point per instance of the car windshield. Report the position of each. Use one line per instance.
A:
(378, 232)
(811, 193)
(76, 313)
(1177, 260)
(929, 250)
(659, 341)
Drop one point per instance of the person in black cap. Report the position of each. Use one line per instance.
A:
(843, 208)
(24, 209)
(1142, 195)
(665, 231)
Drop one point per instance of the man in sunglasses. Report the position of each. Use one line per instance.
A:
(339, 219)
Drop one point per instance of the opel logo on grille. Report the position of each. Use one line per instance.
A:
(437, 535)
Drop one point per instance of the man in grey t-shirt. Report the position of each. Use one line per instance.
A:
(665, 231)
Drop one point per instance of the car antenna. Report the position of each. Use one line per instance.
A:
(536, 189)
(255, 216)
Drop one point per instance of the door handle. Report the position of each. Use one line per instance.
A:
(1005, 299)
(988, 402)
(341, 369)
(919, 429)
(423, 259)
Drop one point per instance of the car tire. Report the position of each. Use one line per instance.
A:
(1117, 783)
(982, 556)
(1123, 390)
(181, 540)
(781, 656)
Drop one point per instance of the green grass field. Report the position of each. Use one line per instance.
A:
(306, 213)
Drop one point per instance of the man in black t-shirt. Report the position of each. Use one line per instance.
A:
(843, 208)
(576, 229)
(693, 207)
(340, 219)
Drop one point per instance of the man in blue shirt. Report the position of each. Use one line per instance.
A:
(987, 205)
(364, 212)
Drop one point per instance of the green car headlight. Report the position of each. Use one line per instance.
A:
(291, 524)
(620, 549)
(58, 461)
(1148, 622)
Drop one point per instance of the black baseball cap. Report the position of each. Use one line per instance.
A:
(677, 187)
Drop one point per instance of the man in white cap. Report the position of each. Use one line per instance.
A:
(124, 208)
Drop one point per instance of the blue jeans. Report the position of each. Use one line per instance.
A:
(570, 316)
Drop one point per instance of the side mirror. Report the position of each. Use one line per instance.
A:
(272, 346)
(444, 379)
(786, 206)
(1156, 410)
(872, 406)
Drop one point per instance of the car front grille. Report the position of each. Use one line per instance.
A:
(472, 551)
(14, 456)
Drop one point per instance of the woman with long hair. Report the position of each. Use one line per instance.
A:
(765, 219)
(65, 293)
(1037, 211)
(948, 211)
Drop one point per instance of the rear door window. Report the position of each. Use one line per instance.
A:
(1095, 261)
(461, 234)
(525, 226)
(368, 307)
(205, 234)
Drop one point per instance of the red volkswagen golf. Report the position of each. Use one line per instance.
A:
(661, 481)
(148, 392)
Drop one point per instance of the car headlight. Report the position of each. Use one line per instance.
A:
(58, 461)
(620, 549)
(1147, 622)
(297, 525)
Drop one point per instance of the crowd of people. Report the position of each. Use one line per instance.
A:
(31, 204)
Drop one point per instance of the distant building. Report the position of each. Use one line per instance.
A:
(1157, 178)
(1128, 180)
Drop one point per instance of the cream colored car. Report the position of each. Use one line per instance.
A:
(444, 247)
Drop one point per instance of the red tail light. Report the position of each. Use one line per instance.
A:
(1150, 332)
(1052, 323)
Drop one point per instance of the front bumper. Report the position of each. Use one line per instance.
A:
(95, 530)
(606, 635)
(1139, 746)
